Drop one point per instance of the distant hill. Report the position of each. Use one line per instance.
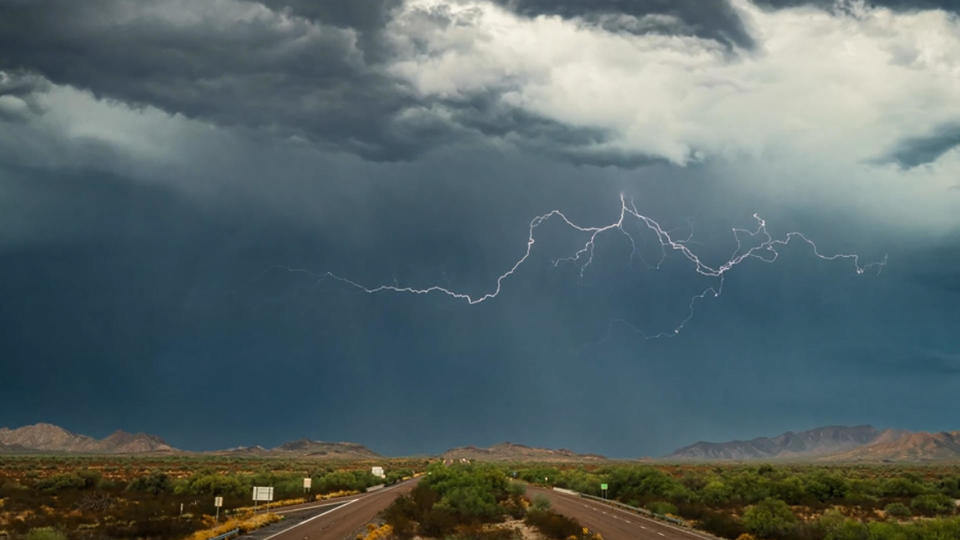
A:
(41, 438)
(517, 452)
(307, 448)
(50, 438)
(831, 443)
(907, 446)
(12, 449)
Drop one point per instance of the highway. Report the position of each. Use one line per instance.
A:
(612, 522)
(337, 519)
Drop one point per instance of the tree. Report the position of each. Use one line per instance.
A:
(769, 518)
(716, 493)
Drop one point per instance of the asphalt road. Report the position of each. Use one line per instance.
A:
(341, 520)
(613, 523)
(292, 516)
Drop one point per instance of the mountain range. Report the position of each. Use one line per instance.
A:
(305, 448)
(508, 451)
(831, 443)
(824, 444)
(48, 438)
(51, 438)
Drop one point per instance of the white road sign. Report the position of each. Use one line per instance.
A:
(261, 493)
(218, 501)
(307, 482)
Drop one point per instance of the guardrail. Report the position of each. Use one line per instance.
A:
(636, 509)
(641, 511)
(226, 535)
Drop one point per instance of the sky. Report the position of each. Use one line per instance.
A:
(235, 223)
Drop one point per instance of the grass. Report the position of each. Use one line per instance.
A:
(245, 523)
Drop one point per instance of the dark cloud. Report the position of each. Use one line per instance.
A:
(899, 5)
(136, 297)
(293, 77)
(20, 90)
(914, 151)
(364, 15)
(314, 77)
(712, 19)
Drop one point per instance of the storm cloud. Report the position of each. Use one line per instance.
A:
(176, 178)
(914, 151)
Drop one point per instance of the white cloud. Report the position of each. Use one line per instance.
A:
(823, 93)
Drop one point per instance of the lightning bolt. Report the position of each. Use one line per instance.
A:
(765, 250)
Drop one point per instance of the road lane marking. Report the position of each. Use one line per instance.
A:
(362, 496)
(304, 522)
(292, 510)
(684, 531)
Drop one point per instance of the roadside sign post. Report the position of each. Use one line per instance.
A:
(218, 502)
(261, 493)
(307, 483)
(603, 489)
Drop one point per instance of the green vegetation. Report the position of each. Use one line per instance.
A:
(140, 497)
(450, 499)
(801, 502)
(553, 525)
(45, 533)
(897, 510)
(466, 501)
(769, 518)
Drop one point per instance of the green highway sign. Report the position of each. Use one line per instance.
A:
(603, 486)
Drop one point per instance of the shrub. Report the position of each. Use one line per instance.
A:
(770, 518)
(61, 482)
(662, 507)
(897, 510)
(716, 492)
(244, 523)
(541, 503)
(45, 533)
(154, 483)
(721, 524)
(438, 522)
(554, 525)
(932, 504)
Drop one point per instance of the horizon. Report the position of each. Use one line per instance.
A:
(612, 227)
(438, 452)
